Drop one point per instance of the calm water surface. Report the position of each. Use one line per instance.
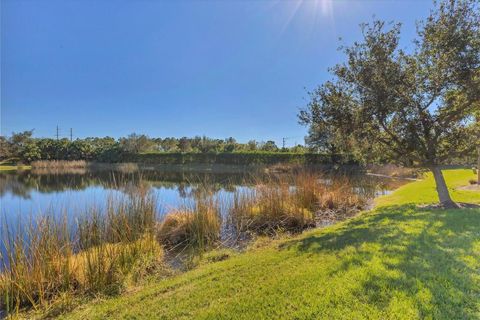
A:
(25, 195)
(29, 193)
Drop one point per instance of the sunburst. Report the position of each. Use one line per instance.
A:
(318, 9)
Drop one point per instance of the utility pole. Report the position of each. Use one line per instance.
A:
(284, 141)
(58, 130)
(71, 134)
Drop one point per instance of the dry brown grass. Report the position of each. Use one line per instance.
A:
(194, 226)
(109, 246)
(268, 208)
(44, 260)
(59, 164)
(292, 202)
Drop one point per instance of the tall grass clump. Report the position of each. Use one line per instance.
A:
(126, 218)
(111, 242)
(269, 208)
(59, 164)
(333, 195)
(36, 264)
(193, 226)
(46, 258)
(292, 203)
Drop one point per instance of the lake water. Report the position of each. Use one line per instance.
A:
(28, 193)
(24, 195)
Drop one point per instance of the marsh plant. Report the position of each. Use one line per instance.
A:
(292, 203)
(110, 246)
(59, 164)
(196, 225)
(45, 258)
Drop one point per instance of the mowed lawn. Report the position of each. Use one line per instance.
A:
(396, 262)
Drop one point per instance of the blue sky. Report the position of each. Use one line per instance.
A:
(176, 67)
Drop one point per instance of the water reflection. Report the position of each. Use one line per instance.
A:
(36, 191)
(22, 184)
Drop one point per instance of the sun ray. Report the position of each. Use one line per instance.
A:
(292, 15)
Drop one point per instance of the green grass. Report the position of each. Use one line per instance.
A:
(396, 262)
(13, 167)
(424, 191)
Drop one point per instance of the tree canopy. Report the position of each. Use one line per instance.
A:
(409, 107)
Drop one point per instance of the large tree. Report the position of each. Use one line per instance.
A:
(403, 106)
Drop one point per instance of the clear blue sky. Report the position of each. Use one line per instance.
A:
(177, 67)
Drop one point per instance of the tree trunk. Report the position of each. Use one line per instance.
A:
(478, 165)
(442, 190)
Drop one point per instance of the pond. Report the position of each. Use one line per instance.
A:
(27, 194)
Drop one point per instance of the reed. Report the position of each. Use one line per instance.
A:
(268, 209)
(195, 226)
(59, 164)
(292, 203)
(315, 192)
(36, 263)
(45, 258)
(110, 245)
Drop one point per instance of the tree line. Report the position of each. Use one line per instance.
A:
(23, 147)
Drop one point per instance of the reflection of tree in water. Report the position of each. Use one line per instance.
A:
(23, 183)
(188, 184)
(11, 183)
(371, 186)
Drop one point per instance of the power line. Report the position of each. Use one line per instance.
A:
(284, 140)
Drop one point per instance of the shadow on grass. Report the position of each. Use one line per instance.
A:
(431, 255)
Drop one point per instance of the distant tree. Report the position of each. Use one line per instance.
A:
(136, 143)
(30, 152)
(396, 105)
(157, 143)
(184, 144)
(230, 145)
(170, 145)
(474, 94)
(5, 150)
(19, 141)
(269, 146)
(252, 145)
(82, 150)
(298, 149)
(210, 145)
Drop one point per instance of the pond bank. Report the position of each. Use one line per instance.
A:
(270, 206)
(399, 254)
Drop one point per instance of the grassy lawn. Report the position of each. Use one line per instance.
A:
(396, 262)
(13, 167)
